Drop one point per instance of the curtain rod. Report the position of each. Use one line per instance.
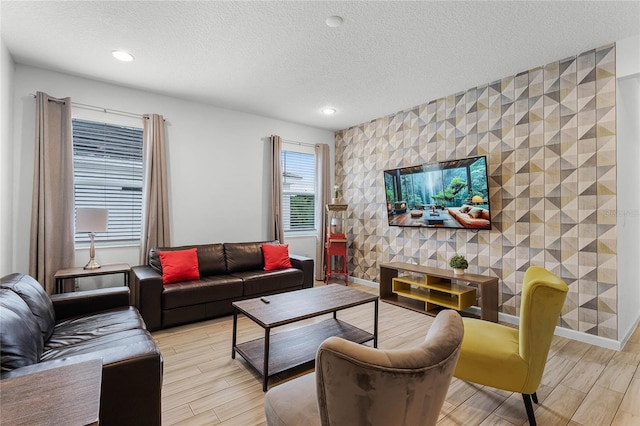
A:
(97, 108)
(290, 142)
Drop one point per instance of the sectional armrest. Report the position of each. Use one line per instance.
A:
(147, 288)
(305, 264)
(68, 305)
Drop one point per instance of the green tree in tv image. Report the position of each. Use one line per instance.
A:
(457, 191)
(388, 184)
(413, 189)
(479, 180)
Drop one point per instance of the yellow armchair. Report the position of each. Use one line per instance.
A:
(513, 359)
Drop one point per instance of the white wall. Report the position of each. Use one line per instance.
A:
(6, 161)
(628, 152)
(218, 160)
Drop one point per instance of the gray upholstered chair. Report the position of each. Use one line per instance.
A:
(359, 385)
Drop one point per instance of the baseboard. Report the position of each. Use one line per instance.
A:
(630, 332)
(562, 332)
(363, 282)
(571, 334)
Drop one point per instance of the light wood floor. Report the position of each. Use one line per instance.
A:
(582, 384)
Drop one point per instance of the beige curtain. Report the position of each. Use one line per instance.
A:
(277, 227)
(323, 189)
(51, 244)
(155, 206)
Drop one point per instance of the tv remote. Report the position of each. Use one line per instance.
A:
(265, 300)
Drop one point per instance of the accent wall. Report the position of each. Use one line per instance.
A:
(549, 135)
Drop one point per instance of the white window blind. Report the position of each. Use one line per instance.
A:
(107, 162)
(298, 191)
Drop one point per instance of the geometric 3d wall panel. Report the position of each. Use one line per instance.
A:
(549, 135)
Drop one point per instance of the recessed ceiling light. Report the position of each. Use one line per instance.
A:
(328, 111)
(334, 21)
(123, 56)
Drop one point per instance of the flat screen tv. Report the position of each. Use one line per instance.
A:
(447, 194)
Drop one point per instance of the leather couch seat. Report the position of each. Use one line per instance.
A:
(208, 289)
(267, 282)
(74, 331)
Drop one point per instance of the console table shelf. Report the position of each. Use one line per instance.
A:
(445, 294)
(438, 288)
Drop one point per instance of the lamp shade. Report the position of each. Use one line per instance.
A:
(91, 219)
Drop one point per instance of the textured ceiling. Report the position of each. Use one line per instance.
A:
(279, 59)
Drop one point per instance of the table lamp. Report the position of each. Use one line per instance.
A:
(91, 220)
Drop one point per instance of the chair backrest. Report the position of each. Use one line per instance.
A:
(358, 384)
(543, 295)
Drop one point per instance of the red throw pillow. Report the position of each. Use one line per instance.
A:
(276, 256)
(179, 265)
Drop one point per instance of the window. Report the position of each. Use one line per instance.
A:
(298, 191)
(107, 161)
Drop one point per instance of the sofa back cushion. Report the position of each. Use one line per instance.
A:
(20, 337)
(244, 256)
(35, 297)
(210, 258)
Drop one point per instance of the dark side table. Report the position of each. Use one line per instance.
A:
(65, 395)
(80, 272)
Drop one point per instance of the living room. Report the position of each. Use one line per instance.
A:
(218, 156)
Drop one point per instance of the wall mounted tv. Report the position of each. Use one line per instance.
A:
(448, 194)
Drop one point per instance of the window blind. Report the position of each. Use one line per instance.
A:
(298, 191)
(107, 162)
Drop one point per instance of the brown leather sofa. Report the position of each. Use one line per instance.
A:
(41, 332)
(228, 272)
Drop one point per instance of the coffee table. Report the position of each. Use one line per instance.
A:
(282, 351)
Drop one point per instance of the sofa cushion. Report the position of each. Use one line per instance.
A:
(475, 212)
(211, 259)
(179, 265)
(244, 256)
(20, 335)
(35, 297)
(87, 327)
(262, 282)
(276, 256)
(113, 347)
(207, 289)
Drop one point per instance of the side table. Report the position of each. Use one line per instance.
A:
(80, 272)
(65, 395)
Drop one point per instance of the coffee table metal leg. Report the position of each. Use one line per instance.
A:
(235, 330)
(375, 324)
(265, 370)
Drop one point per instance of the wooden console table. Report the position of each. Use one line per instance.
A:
(488, 287)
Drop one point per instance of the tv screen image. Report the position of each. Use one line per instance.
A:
(447, 194)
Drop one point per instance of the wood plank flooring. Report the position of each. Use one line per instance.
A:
(582, 384)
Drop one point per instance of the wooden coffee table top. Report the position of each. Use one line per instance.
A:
(292, 306)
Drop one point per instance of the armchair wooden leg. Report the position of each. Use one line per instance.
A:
(529, 407)
(534, 397)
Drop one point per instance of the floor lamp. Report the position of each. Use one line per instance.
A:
(91, 220)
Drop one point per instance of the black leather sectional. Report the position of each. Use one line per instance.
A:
(41, 332)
